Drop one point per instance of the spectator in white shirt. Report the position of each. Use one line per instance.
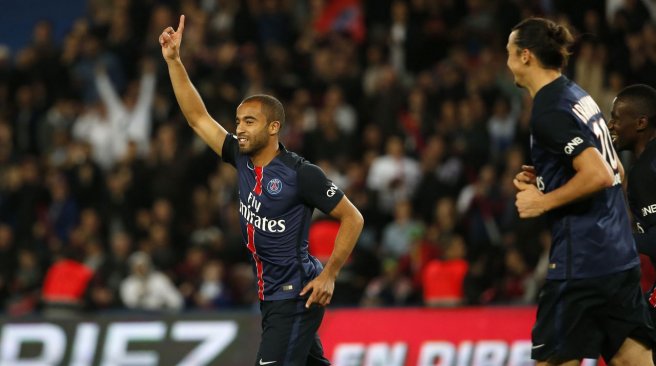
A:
(111, 124)
(148, 289)
(393, 176)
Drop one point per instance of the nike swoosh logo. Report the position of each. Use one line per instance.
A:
(538, 346)
(266, 363)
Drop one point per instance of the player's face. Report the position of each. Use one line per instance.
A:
(514, 61)
(252, 128)
(622, 126)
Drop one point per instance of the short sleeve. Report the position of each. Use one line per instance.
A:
(230, 150)
(317, 190)
(561, 134)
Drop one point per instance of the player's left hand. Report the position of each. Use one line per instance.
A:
(320, 289)
(529, 200)
(527, 175)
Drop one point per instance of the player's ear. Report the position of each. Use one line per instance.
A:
(525, 55)
(274, 127)
(642, 123)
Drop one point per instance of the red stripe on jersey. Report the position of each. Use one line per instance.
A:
(258, 263)
(258, 180)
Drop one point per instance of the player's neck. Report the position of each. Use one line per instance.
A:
(541, 78)
(642, 143)
(268, 153)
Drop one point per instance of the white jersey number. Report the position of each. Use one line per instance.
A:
(603, 135)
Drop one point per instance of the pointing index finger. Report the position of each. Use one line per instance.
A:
(181, 24)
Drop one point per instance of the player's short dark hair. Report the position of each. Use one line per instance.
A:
(642, 101)
(272, 107)
(548, 41)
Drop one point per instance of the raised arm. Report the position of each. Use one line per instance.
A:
(351, 223)
(141, 118)
(188, 98)
(108, 95)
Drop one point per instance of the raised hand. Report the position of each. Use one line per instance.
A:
(170, 41)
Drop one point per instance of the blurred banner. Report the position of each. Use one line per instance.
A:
(489, 336)
(359, 337)
(458, 336)
(229, 339)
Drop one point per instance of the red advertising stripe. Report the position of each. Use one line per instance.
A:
(442, 337)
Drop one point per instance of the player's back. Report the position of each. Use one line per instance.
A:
(590, 237)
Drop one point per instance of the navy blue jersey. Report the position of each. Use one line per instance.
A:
(275, 205)
(590, 237)
(641, 190)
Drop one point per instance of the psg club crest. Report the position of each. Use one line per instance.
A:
(274, 186)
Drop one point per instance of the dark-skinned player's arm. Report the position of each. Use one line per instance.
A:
(188, 98)
(351, 222)
(646, 242)
(592, 175)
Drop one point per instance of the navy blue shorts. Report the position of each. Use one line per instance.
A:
(289, 334)
(586, 318)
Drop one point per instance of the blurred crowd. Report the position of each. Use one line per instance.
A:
(108, 201)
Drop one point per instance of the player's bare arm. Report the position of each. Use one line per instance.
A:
(188, 98)
(592, 175)
(351, 223)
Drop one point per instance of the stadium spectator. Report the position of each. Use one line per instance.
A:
(65, 286)
(444, 278)
(393, 176)
(115, 122)
(104, 288)
(399, 234)
(148, 289)
(213, 291)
